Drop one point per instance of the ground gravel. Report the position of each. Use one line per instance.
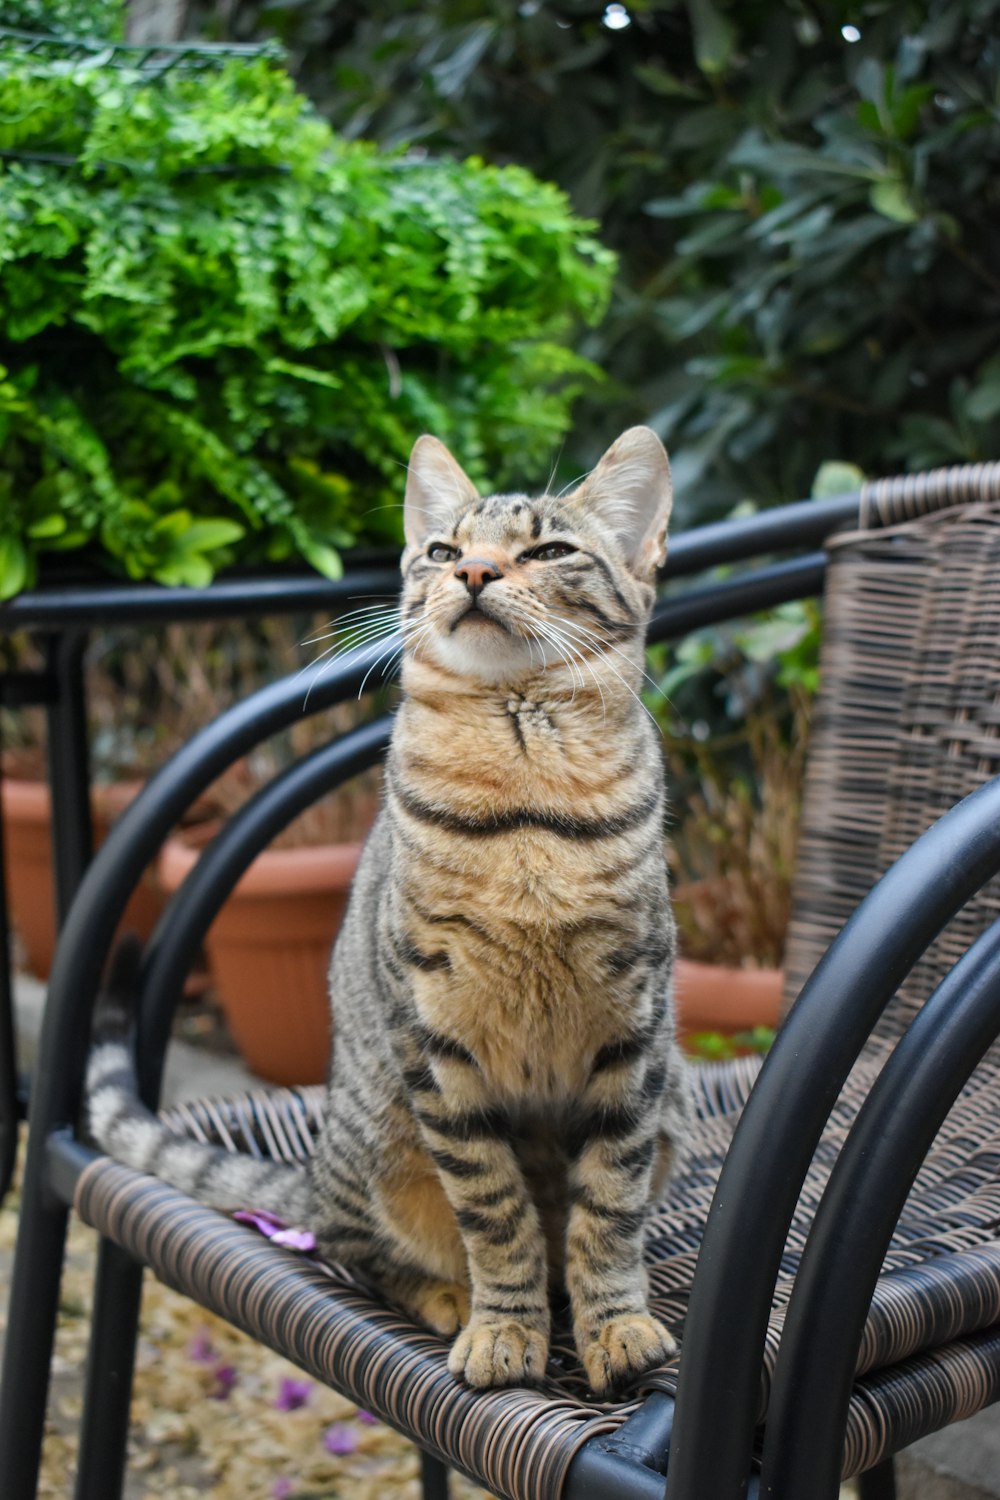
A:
(213, 1414)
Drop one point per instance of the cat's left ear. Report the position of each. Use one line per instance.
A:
(438, 490)
(631, 492)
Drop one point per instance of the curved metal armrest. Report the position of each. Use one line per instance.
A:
(132, 843)
(202, 894)
(853, 1226)
(781, 1126)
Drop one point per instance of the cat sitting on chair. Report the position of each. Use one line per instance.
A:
(505, 1095)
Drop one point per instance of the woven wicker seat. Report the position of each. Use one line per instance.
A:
(907, 724)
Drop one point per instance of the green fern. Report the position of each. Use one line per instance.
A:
(223, 325)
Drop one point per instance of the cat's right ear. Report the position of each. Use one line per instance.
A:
(438, 490)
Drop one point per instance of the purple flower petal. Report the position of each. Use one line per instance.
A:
(282, 1488)
(292, 1394)
(368, 1419)
(225, 1379)
(276, 1229)
(201, 1349)
(339, 1439)
(295, 1239)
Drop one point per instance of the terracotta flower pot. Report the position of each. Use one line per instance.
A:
(269, 952)
(713, 998)
(27, 818)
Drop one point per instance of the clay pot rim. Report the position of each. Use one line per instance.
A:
(719, 998)
(275, 872)
(31, 798)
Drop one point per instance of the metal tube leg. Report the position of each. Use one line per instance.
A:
(878, 1483)
(433, 1477)
(110, 1361)
(69, 767)
(10, 1104)
(31, 1324)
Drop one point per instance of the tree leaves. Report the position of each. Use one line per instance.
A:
(813, 217)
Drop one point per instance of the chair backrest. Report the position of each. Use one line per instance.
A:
(907, 721)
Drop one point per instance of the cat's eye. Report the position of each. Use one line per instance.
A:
(441, 552)
(548, 552)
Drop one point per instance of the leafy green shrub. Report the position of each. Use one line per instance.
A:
(222, 326)
(804, 198)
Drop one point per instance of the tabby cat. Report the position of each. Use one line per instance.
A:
(505, 1094)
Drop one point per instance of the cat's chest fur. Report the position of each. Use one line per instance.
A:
(521, 821)
(561, 784)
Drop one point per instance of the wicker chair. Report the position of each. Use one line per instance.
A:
(837, 1287)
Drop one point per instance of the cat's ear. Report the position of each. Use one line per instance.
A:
(631, 492)
(437, 491)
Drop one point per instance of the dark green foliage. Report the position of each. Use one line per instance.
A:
(807, 224)
(97, 18)
(223, 326)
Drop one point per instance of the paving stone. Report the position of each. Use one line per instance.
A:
(961, 1462)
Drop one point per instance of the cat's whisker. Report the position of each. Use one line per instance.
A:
(614, 670)
(606, 645)
(398, 505)
(594, 643)
(390, 651)
(378, 601)
(375, 622)
(574, 482)
(413, 644)
(380, 611)
(540, 640)
(555, 465)
(360, 636)
(597, 682)
(562, 645)
(590, 668)
(582, 635)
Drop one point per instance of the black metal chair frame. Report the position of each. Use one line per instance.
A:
(708, 1432)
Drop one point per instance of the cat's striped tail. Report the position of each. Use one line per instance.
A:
(123, 1127)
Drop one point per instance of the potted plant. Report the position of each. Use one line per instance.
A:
(27, 824)
(121, 739)
(734, 709)
(147, 691)
(268, 950)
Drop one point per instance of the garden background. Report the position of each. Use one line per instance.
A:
(225, 315)
(234, 287)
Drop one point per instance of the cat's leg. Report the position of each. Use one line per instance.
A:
(378, 1207)
(507, 1337)
(610, 1178)
(426, 1271)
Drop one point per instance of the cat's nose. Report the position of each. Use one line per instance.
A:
(476, 573)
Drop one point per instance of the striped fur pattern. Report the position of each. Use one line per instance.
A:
(506, 1096)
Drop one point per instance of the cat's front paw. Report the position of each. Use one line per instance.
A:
(498, 1351)
(624, 1348)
